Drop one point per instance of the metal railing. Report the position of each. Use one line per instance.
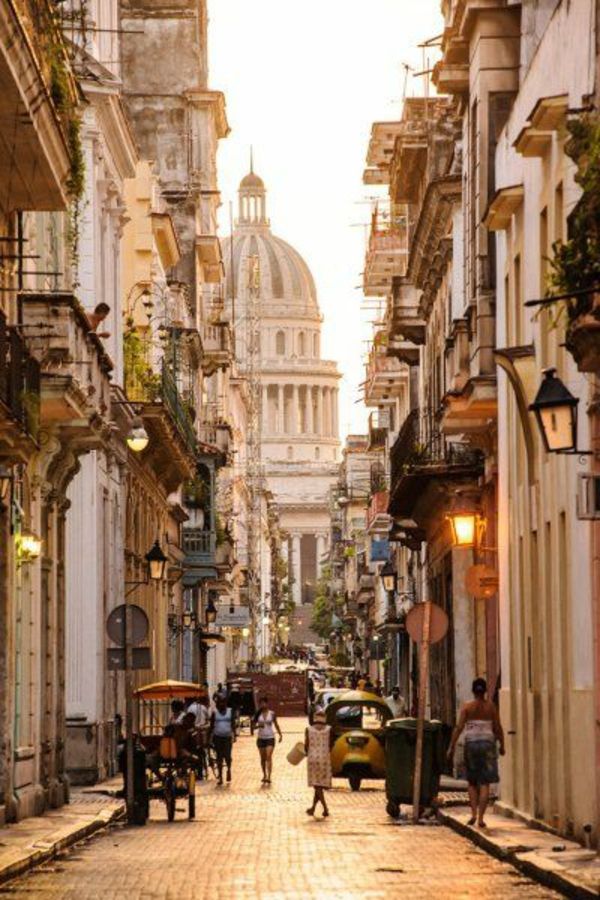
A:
(162, 388)
(19, 379)
(198, 542)
(421, 444)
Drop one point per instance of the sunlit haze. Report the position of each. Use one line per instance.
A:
(303, 83)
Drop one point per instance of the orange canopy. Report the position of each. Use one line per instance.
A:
(169, 690)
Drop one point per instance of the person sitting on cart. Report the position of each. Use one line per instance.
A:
(177, 712)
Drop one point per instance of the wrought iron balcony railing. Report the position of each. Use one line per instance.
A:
(19, 380)
(161, 388)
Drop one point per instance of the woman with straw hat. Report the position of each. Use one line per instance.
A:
(317, 744)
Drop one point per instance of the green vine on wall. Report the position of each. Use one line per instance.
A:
(575, 263)
(67, 106)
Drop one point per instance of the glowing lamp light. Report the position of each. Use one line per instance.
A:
(388, 577)
(137, 439)
(464, 520)
(157, 561)
(555, 409)
(29, 546)
(245, 632)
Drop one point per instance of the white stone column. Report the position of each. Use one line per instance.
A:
(265, 407)
(336, 408)
(295, 410)
(321, 541)
(310, 426)
(280, 421)
(319, 425)
(296, 570)
(326, 412)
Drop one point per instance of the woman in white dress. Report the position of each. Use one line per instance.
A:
(317, 743)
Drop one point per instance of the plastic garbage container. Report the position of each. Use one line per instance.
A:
(400, 745)
(141, 802)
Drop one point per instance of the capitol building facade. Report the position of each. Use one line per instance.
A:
(299, 390)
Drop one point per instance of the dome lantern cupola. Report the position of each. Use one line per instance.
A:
(252, 199)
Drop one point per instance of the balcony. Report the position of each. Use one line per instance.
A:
(75, 369)
(426, 467)
(378, 519)
(172, 449)
(217, 348)
(379, 153)
(386, 256)
(19, 395)
(208, 252)
(216, 434)
(379, 423)
(34, 69)
(407, 322)
(199, 546)
(385, 377)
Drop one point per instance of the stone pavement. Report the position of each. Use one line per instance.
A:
(250, 841)
(552, 859)
(28, 843)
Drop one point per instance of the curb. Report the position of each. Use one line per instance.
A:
(549, 878)
(43, 851)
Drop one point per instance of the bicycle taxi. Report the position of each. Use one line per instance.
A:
(172, 752)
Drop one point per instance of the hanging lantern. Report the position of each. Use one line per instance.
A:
(157, 561)
(464, 520)
(555, 409)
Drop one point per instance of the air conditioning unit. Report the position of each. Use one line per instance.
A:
(588, 496)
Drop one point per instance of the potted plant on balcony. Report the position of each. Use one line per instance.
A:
(195, 493)
(575, 263)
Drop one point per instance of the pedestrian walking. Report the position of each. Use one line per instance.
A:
(317, 743)
(265, 721)
(222, 732)
(396, 703)
(480, 721)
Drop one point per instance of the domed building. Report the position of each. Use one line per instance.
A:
(299, 411)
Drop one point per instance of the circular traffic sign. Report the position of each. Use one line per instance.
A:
(115, 624)
(438, 625)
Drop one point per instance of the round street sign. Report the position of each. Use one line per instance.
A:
(115, 625)
(437, 628)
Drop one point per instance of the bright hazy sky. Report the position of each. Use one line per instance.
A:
(303, 81)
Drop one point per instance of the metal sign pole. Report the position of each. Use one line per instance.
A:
(423, 684)
(130, 797)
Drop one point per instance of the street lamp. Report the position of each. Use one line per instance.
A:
(211, 612)
(464, 519)
(388, 577)
(137, 438)
(555, 409)
(157, 561)
(29, 547)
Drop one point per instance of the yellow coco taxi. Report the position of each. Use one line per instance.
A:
(358, 719)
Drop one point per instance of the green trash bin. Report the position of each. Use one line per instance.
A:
(400, 745)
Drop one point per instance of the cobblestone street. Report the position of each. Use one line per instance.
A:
(252, 841)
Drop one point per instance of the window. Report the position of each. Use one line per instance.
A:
(316, 345)
(290, 452)
(317, 454)
(301, 344)
(280, 343)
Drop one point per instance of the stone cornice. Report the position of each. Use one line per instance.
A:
(430, 248)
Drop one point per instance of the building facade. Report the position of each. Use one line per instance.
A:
(299, 390)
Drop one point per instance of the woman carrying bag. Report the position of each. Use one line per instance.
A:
(317, 744)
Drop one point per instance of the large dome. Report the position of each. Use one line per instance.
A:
(285, 277)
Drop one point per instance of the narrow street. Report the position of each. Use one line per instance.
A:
(257, 842)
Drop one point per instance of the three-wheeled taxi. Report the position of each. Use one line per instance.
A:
(172, 759)
(357, 720)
